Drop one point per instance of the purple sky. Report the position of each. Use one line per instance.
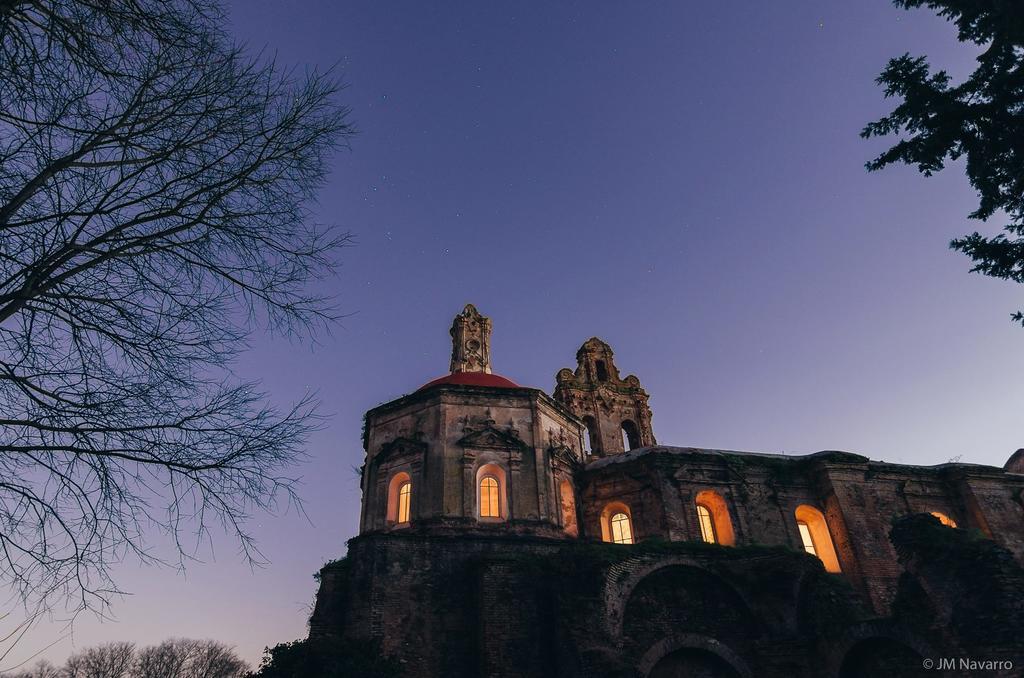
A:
(685, 181)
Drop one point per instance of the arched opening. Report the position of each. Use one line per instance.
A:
(691, 661)
(404, 502)
(568, 503)
(814, 535)
(593, 442)
(617, 524)
(944, 519)
(873, 657)
(399, 511)
(491, 497)
(602, 370)
(622, 531)
(630, 435)
(713, 518)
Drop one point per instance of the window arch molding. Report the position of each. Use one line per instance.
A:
(815, 536)
(491, 496)
(400, 504)
(613, 530)
(718, 515)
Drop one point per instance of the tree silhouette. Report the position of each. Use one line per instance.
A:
(154, 184)
(981, 119)
(174, 658)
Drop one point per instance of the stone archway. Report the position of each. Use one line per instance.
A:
(692, 655)
(878, 649)
(881, 656)
(623, 578)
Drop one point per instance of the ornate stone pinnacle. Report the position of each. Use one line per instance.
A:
(471, 342)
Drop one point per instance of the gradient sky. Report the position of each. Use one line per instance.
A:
(684, 180)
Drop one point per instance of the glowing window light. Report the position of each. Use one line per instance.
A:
(404, 502)
(622, 532)
(707, 526)
(944, 519)
(489, 497)
(805, 536)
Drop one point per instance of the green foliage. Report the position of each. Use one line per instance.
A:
(981, 119)
(327, 658)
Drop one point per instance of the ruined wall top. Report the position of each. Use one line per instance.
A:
(471, 342)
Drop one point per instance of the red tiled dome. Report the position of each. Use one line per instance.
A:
(472, 379)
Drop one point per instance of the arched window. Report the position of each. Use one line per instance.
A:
(713, 518)
(593, 441)
(602, 371)
(617, 524)
(491, 497)
(707, 528)
(944, 519)
(815, 536)
(630, 436)
(568, 504)
(404, 499)
(399, 499)
(622, 532)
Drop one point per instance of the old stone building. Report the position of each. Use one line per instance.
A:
(508, 532)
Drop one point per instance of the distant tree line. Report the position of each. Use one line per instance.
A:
(174, 658)
(186, 658)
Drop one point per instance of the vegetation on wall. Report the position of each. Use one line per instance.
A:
(326, 658)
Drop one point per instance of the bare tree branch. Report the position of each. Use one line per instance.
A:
(154, 192)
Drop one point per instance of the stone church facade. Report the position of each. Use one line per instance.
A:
(508, 532)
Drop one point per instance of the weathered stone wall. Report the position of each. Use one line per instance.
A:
(859, 499)
(443, 435)
(532, 592)
(533, 607)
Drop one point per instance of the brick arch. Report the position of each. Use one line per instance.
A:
(876, 631)
(685, 641)
(623, 578)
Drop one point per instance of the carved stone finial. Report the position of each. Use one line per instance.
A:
(471, 342)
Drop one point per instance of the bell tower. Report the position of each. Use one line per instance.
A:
(614, 410)
(471, 342)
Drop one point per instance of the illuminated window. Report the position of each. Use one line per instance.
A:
(713, 518)
(489, 497)
(815, 537)
(707, 527)
(491, 493)
(399, 510)
(404, 497)
(617, 524)
(805, 537)
(622, 533)
(944, 519)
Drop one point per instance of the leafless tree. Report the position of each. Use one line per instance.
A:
(113, 660)
(184, 658)
(42, 669)
(154, 188)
